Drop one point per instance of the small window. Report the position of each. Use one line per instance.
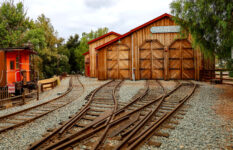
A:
(17, 62)
(12, 65)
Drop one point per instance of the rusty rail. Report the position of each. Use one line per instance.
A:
(37, 106)
(70, 122)
(80, 135)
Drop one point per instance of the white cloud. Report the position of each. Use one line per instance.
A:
(76, 16)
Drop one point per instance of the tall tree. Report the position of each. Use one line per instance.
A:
(83, 47)
(78, 46)
(72, 44)
(210, 23)
(13, 24)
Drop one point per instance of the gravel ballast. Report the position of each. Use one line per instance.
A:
(21, 137)
(129, 89)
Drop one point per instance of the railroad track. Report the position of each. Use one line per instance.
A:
(102, 103)
(126, 126)
(19, 118)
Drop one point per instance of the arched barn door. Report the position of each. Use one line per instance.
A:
(181, 60)
(151, 57)
(118, 62)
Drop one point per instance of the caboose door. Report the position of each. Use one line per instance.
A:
(17, 68)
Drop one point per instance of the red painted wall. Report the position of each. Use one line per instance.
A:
(13, 75)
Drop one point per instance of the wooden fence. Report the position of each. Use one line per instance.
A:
(4, 92)
(48, 85)
(220, 75)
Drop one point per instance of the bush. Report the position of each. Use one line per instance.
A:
(231, 73)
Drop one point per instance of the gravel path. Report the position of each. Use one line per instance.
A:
(20, 138)
(201, 128)
(45, 96)
(129, 89)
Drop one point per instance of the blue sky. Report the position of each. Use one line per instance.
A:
(76, 16)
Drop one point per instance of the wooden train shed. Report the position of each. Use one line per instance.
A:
(153, 50)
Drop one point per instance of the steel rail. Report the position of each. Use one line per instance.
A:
(36, 106)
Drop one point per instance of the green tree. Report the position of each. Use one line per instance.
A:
(78, 46)
(72, 44)
(51, 50)
(210, 22)
(13, 24)
(83, 47)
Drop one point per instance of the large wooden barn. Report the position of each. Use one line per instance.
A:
(153, 50)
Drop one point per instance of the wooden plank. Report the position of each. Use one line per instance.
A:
(2, 69)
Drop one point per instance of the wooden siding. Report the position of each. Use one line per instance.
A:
(2, 69)
(92, 51)
(155, 55)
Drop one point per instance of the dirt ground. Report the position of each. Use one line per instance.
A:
(224, 108)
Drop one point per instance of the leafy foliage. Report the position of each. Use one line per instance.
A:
(13, 23)
(210, 23)
(78, 47)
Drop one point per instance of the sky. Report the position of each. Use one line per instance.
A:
(77, 16)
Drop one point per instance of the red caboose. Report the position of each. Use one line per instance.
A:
(15, 65)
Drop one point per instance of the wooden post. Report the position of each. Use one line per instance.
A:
(42, 88)
(23, 96)
(221, 76)
(37, 92)
(181, 62)
(151, 57)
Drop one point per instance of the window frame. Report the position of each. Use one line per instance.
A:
(12, 65)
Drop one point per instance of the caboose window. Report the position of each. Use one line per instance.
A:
(17, 62)
(12, 65)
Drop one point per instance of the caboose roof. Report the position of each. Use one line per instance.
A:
(18, 50)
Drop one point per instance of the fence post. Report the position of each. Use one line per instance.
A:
(37, 92)
(221, 76)
(42, 87)
(23, 96)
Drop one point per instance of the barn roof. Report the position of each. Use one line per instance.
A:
(98, 38)
(133, 30)
(86, 53)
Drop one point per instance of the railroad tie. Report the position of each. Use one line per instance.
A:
(168, 126)
(92, 113)
(161, 134)
(173, 122)
(166, 108)
(97, 110)
(89, 118)
(80, 125)
(155, 144)
(12, 122)
(101, 106)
